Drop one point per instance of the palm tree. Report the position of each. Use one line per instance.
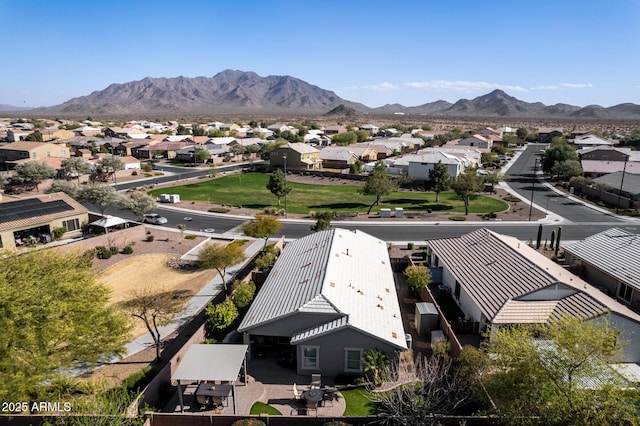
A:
(375, 361)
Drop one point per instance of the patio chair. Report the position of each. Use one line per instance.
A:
(296, 393)
(312, 406)
(315, 381)
(328, 396)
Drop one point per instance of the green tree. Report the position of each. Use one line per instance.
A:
(69, 188)
(375, 361)
(75, 167)
(242, 293)
(566, 169)
(181, 227)
(263, 226)
(55, 315)
(102, 196)
(140, 204)
(34, 137)
(439, 179)
(346, 138)
(222, 315)
(220, 256)
(267, 258)
(203, 155)
(418, 277)
(522, 133)
(538, 374)
(362, 135)
(182, 130)
(196, 130)
(466, 185)
(277, 184)
(154, 308)
(238, 150)
(33, 172)
(378, 184)
(356, 168)
(107, 166)
(494, 178)
(559, 151)
(323, 221)
(4, 180)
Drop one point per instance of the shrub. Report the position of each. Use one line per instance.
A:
(491, 215)
(512, 198)
(410, 246)
(458, 218)
(150, 238)
(218, 210)
(134, 173)
(271, 211)
(146, 167)
(222, 315)
(127, 250)
(59, 232)
(114, 250)
(248, 422)
(103, 253)
(242, 293)
(190, 237)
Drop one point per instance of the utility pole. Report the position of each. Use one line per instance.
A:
(624, 169)
(533, 186)
(284, 159)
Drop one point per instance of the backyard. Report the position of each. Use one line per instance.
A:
(249, 191)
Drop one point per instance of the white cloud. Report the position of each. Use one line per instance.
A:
(577, 85)
(545, 88)
(381, 87)
(464, 86)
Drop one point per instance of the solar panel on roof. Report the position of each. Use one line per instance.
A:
(25, 209)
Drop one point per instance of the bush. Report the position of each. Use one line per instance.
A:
(271, 211)
(242, 293)
(190, 237)
(491, 215)
(146, 167)
(410, 246)
(114, 250)
(134, 173)
(150, 238)
(127, 250)
(103, 253)
(59, 232)
(458, 218)
(512, 199)
(218, 210)
(222, 315)
(248, 422)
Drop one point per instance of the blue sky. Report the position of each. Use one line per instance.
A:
(578, 52)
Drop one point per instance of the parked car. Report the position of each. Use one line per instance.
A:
(154, 218)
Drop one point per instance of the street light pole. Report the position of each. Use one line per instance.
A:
(624, 169)
(284, 158)
(533, 186)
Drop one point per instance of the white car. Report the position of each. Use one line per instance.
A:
(154, 218)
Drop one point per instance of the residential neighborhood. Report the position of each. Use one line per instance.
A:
(334, 309)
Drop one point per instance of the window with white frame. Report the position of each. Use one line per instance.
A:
(353, 360)
(310, 357)
(71, 224)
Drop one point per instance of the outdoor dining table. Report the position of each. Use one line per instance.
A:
(313, 395)
(215, 391)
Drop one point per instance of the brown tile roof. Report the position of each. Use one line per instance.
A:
(75, 208)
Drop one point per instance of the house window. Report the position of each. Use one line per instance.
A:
(310, 357)
(63, 152)
(456, 292)
(48, 153)
(625, 292)
(71, 224)
(34, 155)
(353, 360)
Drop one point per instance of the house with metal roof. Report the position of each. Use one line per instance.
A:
(497, 280)
(329, 298)
(609, 260)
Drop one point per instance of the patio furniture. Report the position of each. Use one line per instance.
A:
(311, 405)
(315, 381)
(296, 392)
(328, 395)
(212, 394)
(313, 396)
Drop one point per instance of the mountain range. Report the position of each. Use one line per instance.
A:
(238, 92)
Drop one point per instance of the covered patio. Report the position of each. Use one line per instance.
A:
(215, 368)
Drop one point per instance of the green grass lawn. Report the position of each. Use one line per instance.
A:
(249, 191)
(357, 402)
(262, 408)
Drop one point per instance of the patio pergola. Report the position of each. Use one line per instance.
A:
(107, 222)
(212, 363)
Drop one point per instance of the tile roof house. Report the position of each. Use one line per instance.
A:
(589, 140)
(546, 134)
(604, 159)
(417, 166)
(299, 156)
(331, 295)
(476, 141)
(609, 259)
(498, 280)
(338, 157)
(25, 150)
(37, 216)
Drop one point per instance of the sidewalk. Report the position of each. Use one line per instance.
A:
(198, 301)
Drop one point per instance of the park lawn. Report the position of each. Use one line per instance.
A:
(248, 190)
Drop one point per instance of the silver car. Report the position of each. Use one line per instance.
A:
(154, 218)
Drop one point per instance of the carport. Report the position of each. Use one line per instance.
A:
(212, 363)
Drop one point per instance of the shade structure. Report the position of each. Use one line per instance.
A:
(109, 221)
(211, 363)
